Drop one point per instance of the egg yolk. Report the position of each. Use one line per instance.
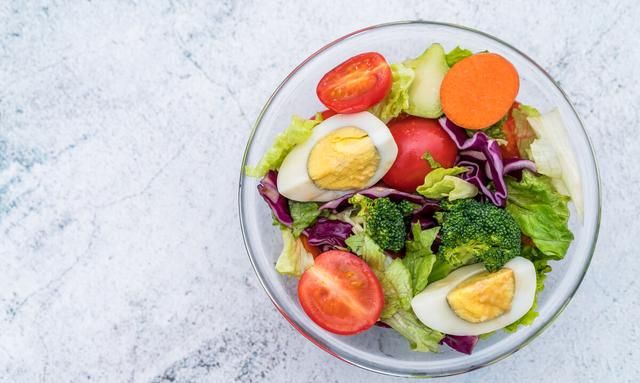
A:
(343, 159)
(484, 296)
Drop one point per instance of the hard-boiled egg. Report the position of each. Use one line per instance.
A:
(470, 301)
(345, 153)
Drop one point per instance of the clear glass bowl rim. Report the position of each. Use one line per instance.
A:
(319, 342)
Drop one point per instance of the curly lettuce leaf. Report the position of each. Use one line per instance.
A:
(495, 131)
(304, 214)
(529, 110)
(452, 187)
(298, 131)
(396, 285)
(421, 338)
(486, 335)
(456, 55)
(441, 183)
(398, 98)
(441, 268)
(368, 250)
(419, 258)
(293, 259)
(541, 212)
(464, 256)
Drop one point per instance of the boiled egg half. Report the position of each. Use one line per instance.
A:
(345, 153)
(472, 301)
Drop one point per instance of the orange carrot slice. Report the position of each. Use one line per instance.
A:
(479, 90)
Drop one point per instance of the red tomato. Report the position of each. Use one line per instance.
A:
(314, 251)
(415, 136)
(341, 293)
(355, 85)
(510, 150)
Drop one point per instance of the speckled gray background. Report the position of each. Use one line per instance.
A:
(122, 125)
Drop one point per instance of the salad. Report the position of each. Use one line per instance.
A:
(425, 198)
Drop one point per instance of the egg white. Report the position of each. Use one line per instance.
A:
(293, 177)
(432, 308)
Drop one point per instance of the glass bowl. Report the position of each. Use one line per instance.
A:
(380, 349)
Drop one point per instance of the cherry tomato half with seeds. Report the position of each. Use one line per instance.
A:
(355, 85)
(341, 293)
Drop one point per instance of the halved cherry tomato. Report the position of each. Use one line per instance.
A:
(415, 136)
(355, 85)
(314, 251)
(341, 293)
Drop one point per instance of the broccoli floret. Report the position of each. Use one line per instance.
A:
(477, 231)
(385, 224)
(407, 207)
(383, 220)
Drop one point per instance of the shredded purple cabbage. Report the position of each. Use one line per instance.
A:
(461, 343)
(374, 192)
(456, 133)
(426, 210)
(328, 234)
(515, 166)
(424, 215)
(483, 157)
(268, 189)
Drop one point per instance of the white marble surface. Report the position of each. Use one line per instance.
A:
(122, 126)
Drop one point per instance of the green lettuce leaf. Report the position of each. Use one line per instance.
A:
(529, 110)
(304, 214)
(296, 133)
(419, 258)
(396, 285)
(398, 98)
(441, 183)
(293, 259)
(421, 338)
(456, 55)
(495, 130)
(486, 336)
(368, 250)
(464, 256)
(541, 212)
(441, 268)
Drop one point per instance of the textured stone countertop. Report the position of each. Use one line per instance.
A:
(122, 125)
